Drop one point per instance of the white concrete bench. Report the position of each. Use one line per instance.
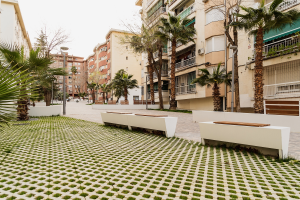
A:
(272, 137)
(152, 122)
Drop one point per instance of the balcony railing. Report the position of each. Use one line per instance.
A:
(163, 73)
(286, 4)
(187, 89)
(185, 63)
(155, 55)
(149, 2)
(284, 46)
(155, 15)
(187, 11)
(282, 90)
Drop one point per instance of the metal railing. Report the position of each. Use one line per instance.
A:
(281, 46)
(155, 15)
(187, 11)
(155, 55)
(185, 63)
(149, 2)
(163, 73)
(285, 5)
(187, 89)
(282, 90)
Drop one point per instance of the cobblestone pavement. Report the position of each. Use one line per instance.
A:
(186, 128)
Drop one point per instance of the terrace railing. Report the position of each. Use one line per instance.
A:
(187, 89)
(185, 63)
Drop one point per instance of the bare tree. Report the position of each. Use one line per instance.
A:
(49, 40)
(227, 10)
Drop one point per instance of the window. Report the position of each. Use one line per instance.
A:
(214, 15)
(136, 97)
(216, 43)
(78, 67)
(70, 64)
(142, 90)
(126, 68)
(126, 47)
(126, 57)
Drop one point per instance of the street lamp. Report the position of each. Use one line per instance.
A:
(234, 48)
(146, 73)
(64, 81)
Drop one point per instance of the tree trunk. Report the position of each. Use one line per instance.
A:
(150, 71)
(161, 103)
(173, 59)
(103, 97)
(93, 96)
(22, 110)
(259, 92)
(73, 85)
(236, 73)
(47, 95)
(216, 96)
(125, 94)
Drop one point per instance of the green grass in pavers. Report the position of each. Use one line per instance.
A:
(65, 158)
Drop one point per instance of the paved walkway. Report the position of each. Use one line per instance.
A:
(186, 128)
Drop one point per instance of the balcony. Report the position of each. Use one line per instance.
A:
(155, 55)
(149, 2)
(281, 47)
(164, 73)
(185, 13)
(185, 64)
(282, 90)
(187, 89)
(285, 5)
(156, 15)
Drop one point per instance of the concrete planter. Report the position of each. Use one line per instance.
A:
(273, 120)
(45, 111)
(126, 107)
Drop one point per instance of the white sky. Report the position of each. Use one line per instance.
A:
(87, 21)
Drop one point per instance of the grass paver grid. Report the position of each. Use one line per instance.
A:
(65, 158)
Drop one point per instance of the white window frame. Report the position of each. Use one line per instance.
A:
(214, 44)
(214, 15)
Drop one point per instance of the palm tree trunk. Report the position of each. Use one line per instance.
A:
(73, 86)
(125, 94)
(150, 70)
(47, 95)
(236, 73)
(216, 97)
(173, 59)
(104, 97)
(22, 110)
(258, 76)
(93, 96)
(161, 103)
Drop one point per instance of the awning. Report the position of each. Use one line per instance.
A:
(287, 30)
(192, 21)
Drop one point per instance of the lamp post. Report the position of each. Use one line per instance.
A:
(234, 48)
(146, 73)
(64, 81)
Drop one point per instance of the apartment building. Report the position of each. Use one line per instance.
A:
(281, 62)
(74, 83)
(12, 27)
(111, 56)
(207, 51)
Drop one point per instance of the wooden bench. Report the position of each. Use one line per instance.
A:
(249, 134)
(152, 122)
(282, 108)
(124, 102)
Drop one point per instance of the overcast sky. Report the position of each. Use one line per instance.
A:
(87, 21)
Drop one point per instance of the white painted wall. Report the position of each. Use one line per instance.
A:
(273, 120)
(45, 111)
(7, 24)
(133, 92)
(126, 107)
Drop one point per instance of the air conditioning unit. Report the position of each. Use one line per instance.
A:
(204, 1)
(101, 69)
(201, 51)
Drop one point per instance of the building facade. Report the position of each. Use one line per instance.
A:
(207, 51)
(12, 27)
(111, 56)
(75, 83)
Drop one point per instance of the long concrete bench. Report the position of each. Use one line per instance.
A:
(152, 122)
(250, 134)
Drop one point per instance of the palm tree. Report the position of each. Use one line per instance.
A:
(74, 71)
(14, 56)
(145, 43)
(258, 21)
(92, 87)
(105, 89)
(125, 81)
(12, 86)
(176, 30)
(218, 77)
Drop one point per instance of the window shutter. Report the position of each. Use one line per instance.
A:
(219, 43)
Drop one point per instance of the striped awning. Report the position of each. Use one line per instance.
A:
(287, 30)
